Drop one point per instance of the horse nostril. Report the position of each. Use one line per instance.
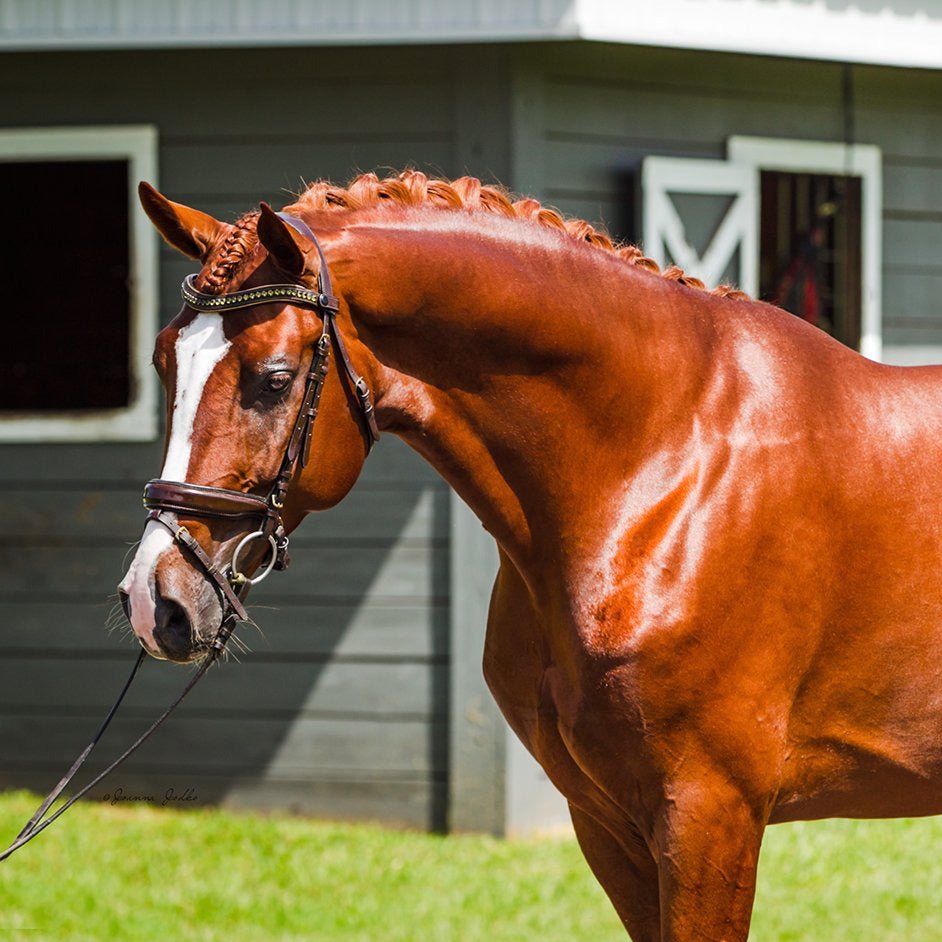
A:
(172, 631)
(125, 600)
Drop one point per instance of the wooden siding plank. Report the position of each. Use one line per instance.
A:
(369, 629)
(268, 170)
(415, 512)
(238, 689)
(319, 573)
(124, 462)
(43, 625)
(898, 88)
(134, 464)
(902, 133)
(221, 745)
(361, 631)
(406, 804)
(912, 188)
(912, 243)
(906, 333)
(649, 118)
(269, 69)
(679, 70)
(909, 295)
(327, 92)
(594, 165)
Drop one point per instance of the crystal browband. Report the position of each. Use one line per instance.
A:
(215, 304)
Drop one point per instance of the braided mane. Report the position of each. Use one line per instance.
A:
(414, 188)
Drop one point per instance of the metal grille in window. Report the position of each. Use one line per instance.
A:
(810, 249)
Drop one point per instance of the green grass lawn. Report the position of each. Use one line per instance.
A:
(134, 873)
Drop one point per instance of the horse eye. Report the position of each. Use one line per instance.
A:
(278, 382)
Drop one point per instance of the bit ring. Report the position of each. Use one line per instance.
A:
(238, 578)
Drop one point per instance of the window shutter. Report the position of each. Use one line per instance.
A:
(688, 222)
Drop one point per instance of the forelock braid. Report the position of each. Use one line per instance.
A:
(237, 247)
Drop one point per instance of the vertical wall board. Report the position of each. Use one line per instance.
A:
(477, 732)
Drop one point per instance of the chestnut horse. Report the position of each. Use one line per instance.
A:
(719, 603)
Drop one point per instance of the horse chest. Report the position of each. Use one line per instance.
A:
(552, 712)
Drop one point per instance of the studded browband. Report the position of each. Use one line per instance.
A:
(323, 301)
(249, 297)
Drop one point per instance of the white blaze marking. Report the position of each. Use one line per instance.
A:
(199, 348)
(139, 581)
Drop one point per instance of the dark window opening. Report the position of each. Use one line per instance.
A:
(810, 249)
(67, 317)
(627, 226)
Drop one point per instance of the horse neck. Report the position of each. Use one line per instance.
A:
(527, 371)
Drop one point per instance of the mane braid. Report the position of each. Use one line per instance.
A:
(414, 188)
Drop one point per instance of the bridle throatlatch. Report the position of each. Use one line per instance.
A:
(165, 499)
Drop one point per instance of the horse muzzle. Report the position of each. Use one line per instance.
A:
(179, 600)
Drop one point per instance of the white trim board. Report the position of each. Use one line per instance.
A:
(859, 160)
(664, 234)
(914, 355)
(138, 145)
(889, 32)
(892, 32)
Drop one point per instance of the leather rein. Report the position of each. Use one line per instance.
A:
(164, 499)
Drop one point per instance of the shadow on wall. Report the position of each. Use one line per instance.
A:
(339, 709)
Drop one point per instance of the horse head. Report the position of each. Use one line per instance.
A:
(244, 368)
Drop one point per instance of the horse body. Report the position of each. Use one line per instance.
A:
(718, 603)
(722, 573)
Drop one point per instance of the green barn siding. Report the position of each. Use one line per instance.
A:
(230, 745)
(912, 187)
(73, 623)
(341, 708)
(899, 111)
(58, 512)
(346, 688)
(354, 637)
(596, 111)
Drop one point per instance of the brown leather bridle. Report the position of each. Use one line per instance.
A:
(164, 499)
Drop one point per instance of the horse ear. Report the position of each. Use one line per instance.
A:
(290, 251)
(188, 230)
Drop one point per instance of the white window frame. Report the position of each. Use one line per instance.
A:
(857, 160)
(664, 235)
(138, 420)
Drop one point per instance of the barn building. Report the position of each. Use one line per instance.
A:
(794, 148)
